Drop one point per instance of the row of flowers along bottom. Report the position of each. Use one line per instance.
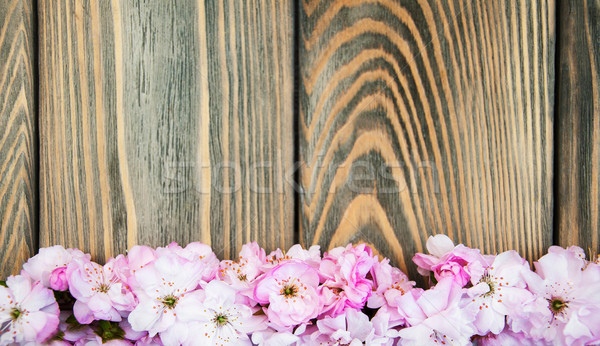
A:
(174, 295)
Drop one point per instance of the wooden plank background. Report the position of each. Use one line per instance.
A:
(578, 125)
(427, 117)
(165, 121)
(18, 153)
(180, 121)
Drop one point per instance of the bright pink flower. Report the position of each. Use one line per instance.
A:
(99, 292)
(436, 317)
(28, 311)
(44, 266)
(290, 289)
(446, 260)
(59, 280)
(165, 286)
(344, 272)
(500, 292)
(390, 283)
(566, 309)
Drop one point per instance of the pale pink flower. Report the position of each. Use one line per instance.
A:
(312, 256)
(165, 286)
(137, 258)
(220, 319)
(390, 283)
(272, 337)
(566, 308)
(507, 338)
(499, 293)
(28, 311)
(49, 266)
(195, 252)
(446, 260)
(290, 290)
(352, 327)
(344, 275)
(252, 253)
(435, 317)
(100, 294)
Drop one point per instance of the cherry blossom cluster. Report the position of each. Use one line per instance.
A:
(347, 296)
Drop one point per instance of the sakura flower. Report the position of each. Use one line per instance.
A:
(290, 289)
(352, 327)
(566, 308)
(312, 256)
(49, 266)
(500, 291)
(252, 253)
(344, 271)
(507, 338)
(195, 252)
(165, 287)
(446, 260)
(272, 337)
(99, 292)
(436, 317)
(220, 319)
(389, 284)
(28, 311)
(136, 259)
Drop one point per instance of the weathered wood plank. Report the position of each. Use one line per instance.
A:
(18, 161)
(578, 125)
(166, 121)
(426, 117)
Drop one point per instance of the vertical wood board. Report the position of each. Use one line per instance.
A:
(427, 117)
(18, 154)
(578, 125)
(165, 121)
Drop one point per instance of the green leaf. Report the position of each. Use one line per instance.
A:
(108, 330)
(74, 325)
(3, 283)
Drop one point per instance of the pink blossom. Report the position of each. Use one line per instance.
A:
(220, 319)
(99, 292)
(195, 252)
(435, 317)
(272, 337)
(28, 311)
(252, 253)
(242, 274)
(165, 286)
(137, 258)
(59, 280)
(312, 256)
(390, 283)
(507, 338)
(500, 291)
(49, 266)
(290, 290)
(351, 327)
(566, 308)
(446, 260)
(344, 272)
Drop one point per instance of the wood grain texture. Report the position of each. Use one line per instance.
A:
(166, 121)
(427, 117)
(18, 189)
(578, 125)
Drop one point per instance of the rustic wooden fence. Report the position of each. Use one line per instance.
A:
(319, 122)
